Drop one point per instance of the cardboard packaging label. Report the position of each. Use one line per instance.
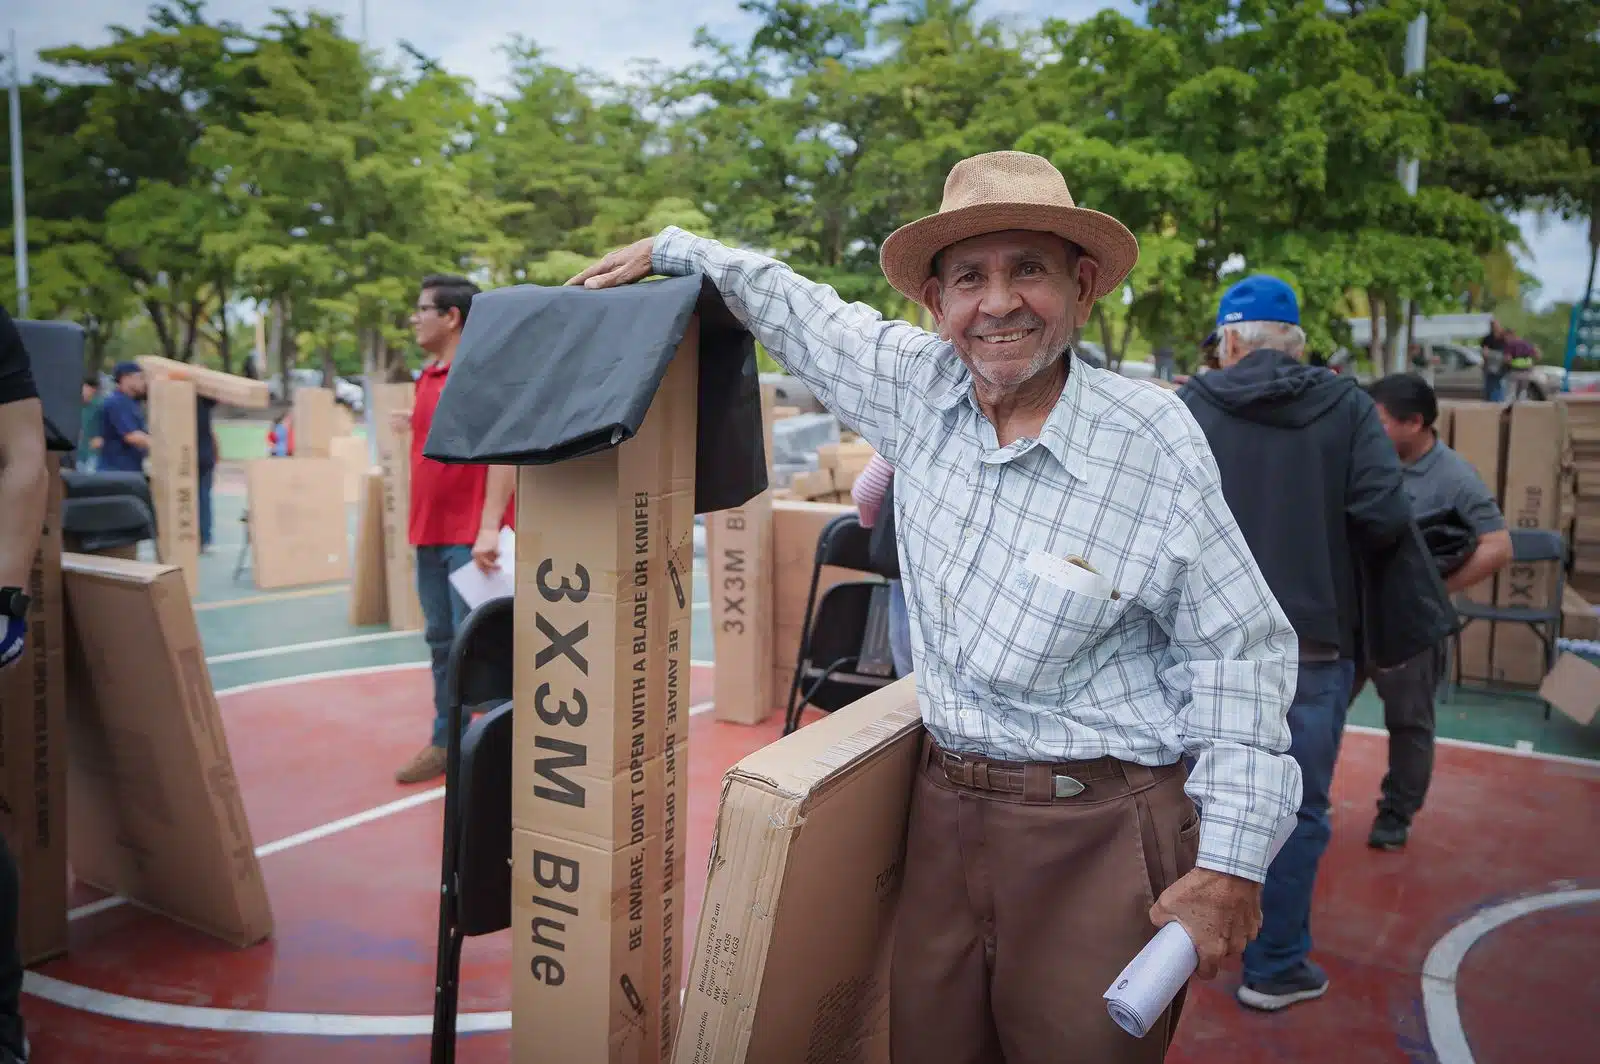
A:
(155, 808)
(298, 526)
(175, 476)
(394, 459)
(790, 961)
(33, 751)
(739, 546)
(603, 596)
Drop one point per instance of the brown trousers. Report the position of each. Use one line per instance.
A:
(1019, 910)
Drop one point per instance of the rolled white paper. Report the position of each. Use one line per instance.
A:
(1138, 997)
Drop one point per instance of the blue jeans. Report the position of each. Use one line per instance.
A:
(899, 629)
(203, 505)
(1316, 725)
(1494, 388)
(442, 613)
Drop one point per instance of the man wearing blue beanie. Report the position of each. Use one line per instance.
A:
(1315, 486)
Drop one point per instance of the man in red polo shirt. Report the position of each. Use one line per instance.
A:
(457, 511)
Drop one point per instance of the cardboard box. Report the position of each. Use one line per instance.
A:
(33, 751)
(739, 556)
(154, 807)
(603, 595)
(369, 590)
(394, 459)
(1578, 618)
(352, 453)
(790, 962)
(1535, 441)
(796, 527)
(313, 422)
(298, 528)
(174, 476)
(1573, 687)
(1478, 433)
(213, 384)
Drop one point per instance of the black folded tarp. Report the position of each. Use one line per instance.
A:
(105, 510)
(1449, 537)
(548, 374)
(55, 355)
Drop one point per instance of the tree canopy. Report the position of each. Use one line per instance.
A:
(189, 164)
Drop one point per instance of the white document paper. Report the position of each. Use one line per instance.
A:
(477, 587)
(1068, 575)
(1138, 997)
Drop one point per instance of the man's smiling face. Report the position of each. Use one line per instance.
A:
(1010, 302)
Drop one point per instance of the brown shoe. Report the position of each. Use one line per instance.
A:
(427, 765)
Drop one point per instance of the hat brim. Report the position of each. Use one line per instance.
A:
(907, 255)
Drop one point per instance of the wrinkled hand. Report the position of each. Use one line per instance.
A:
(400, 420)
(486, 549)
(623, 266)
(13, 637)
(1221, 914)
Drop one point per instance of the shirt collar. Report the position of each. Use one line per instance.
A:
(1060, 428)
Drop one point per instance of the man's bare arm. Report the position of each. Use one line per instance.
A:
(1492, 554)
(24, 488)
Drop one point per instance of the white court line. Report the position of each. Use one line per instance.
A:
(1491, 748)
(1443, 965)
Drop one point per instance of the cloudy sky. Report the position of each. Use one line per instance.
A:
(608, 35)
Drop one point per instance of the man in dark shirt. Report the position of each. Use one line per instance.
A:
(124, 439)
(1493, 347)
(1436, 479)
(23, 493)
(205, 464)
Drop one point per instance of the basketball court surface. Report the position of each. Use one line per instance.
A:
(1479, 944)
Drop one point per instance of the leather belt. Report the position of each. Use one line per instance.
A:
(1041, 781)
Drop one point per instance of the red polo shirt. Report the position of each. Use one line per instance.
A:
(446, 499)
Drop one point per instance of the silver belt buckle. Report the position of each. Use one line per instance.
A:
(1067, 787)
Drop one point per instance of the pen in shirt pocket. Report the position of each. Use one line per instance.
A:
(1073, 559)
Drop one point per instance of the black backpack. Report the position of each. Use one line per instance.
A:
(882, 551)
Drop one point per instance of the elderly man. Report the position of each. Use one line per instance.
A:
(1316, 487)
(1084, 613)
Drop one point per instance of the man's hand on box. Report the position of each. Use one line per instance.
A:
(623, 266)
(12, 643)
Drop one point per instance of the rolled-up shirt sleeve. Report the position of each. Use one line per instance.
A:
(1234, 664)
(854, 361)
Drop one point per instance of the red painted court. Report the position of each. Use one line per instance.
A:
(352, 862)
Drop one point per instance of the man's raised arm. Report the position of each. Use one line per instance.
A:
(855, 362)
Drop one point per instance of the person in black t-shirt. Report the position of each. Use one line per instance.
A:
(23, 491)
(1493, 347)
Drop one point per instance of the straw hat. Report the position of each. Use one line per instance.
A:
(999, 191)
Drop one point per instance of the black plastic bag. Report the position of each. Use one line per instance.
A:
(55, 356)
(882, 548)
(548, 374)
(1450, 539)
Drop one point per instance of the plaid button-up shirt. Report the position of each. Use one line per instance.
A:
(1018, 657)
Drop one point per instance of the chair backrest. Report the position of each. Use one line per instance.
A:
(479, 670)
(845, 543)
(483, 859)
(1536, 545)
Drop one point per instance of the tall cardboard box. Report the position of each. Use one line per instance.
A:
(314, 422)
(796, 527)
(154, 806)
(1535, 444)
(394, 459)
(739, 550)
(1478, 432)
(174, 476)
(33, 751)
(369, 591)
(299, 531)
(599, 783)
(790, 962)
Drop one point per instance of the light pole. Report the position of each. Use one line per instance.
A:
(19, 209)
(1407, 172)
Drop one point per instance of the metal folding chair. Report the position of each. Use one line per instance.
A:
(1529, 546)
(844, 648)
(475, 878)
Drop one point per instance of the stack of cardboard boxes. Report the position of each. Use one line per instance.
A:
(1520, 451)
(1583, 519)
(838, 466)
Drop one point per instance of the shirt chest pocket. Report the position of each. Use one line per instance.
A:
(1050, 624)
